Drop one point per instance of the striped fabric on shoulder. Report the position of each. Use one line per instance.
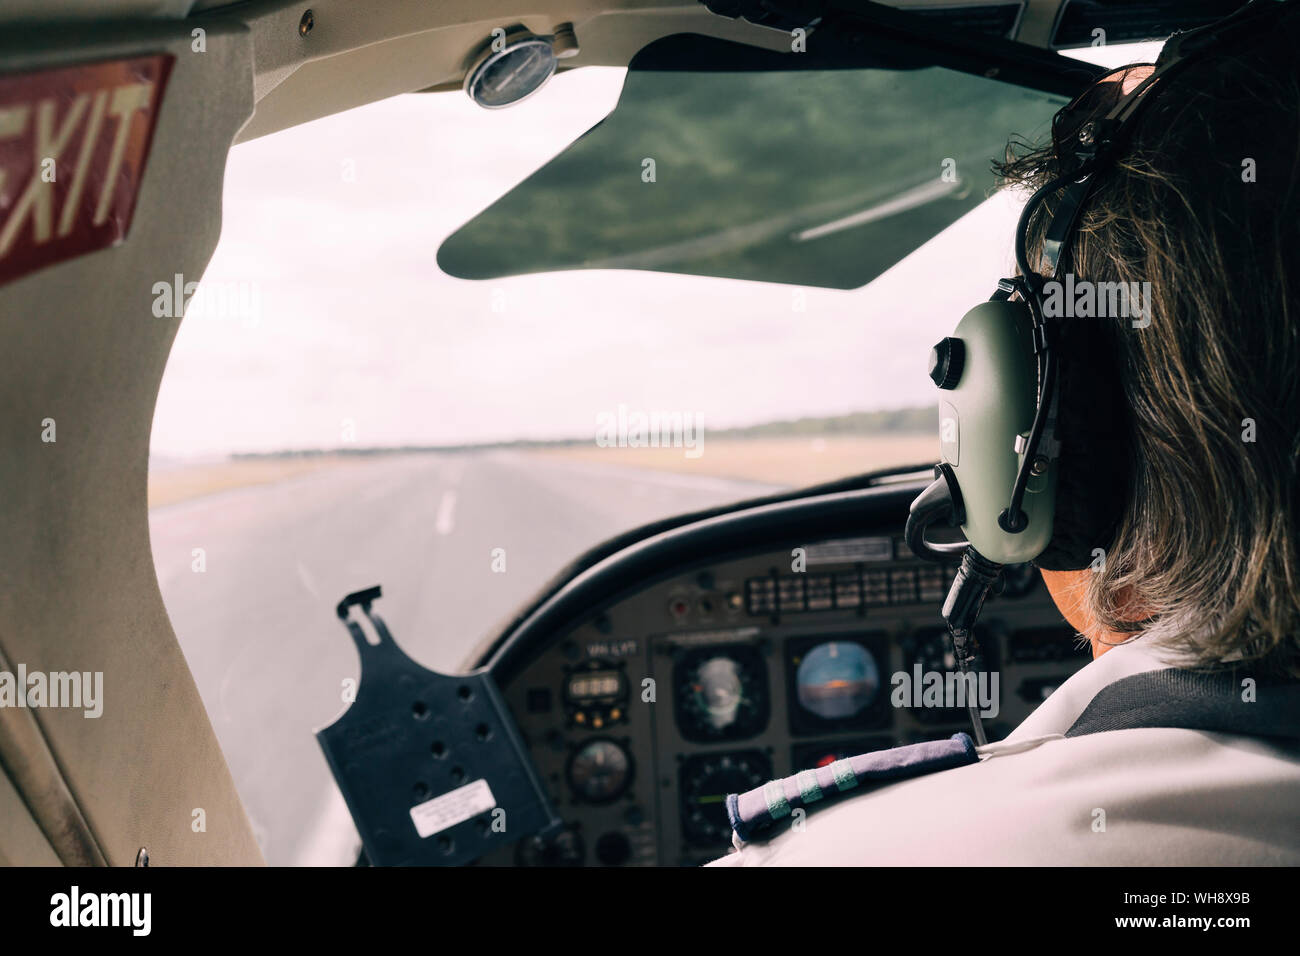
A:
(753, 812)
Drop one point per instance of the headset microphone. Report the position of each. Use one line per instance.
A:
(1000, 457)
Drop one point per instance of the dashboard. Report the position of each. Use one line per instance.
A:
(646, 712)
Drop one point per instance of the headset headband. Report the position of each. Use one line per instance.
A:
(1099, 142)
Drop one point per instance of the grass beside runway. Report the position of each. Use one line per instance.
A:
(184, 481)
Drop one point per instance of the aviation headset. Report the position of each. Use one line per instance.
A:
(1002, 378)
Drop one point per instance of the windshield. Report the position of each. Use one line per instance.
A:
(338, 412)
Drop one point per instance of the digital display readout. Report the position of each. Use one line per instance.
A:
(594, 685)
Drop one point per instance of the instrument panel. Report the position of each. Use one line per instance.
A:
(643, 718)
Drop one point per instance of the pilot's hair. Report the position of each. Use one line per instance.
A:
(1206, 208)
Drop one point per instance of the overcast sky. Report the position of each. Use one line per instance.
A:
(334, 227)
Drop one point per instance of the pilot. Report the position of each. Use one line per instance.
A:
(1176, 547)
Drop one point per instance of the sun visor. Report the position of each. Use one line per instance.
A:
(726, 160)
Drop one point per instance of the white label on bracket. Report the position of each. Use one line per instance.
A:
(457, 806)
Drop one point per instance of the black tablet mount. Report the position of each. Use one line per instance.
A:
(431, 766)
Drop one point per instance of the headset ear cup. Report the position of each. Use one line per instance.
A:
(1093, 427)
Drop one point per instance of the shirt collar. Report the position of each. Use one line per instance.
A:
(1059, 712)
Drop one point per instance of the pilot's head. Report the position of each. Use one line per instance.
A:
(1179, 499)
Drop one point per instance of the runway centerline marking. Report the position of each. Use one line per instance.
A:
(308, 581)
(446, 519)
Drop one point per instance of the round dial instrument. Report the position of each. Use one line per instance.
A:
(835, 684)
(928, 651)
(563, 849)
(600, 771)
(721, 694)
(706, 780)
(837, 680)
(504, 76)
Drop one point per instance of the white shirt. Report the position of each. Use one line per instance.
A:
(1120, 798)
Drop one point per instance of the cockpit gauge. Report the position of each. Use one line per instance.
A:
(595, 694)
(563, 849)
(837, 679)
(513, 67)
(721, 693)
(836, 683)
(600, 770)
(705, 781)
(927, 652)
